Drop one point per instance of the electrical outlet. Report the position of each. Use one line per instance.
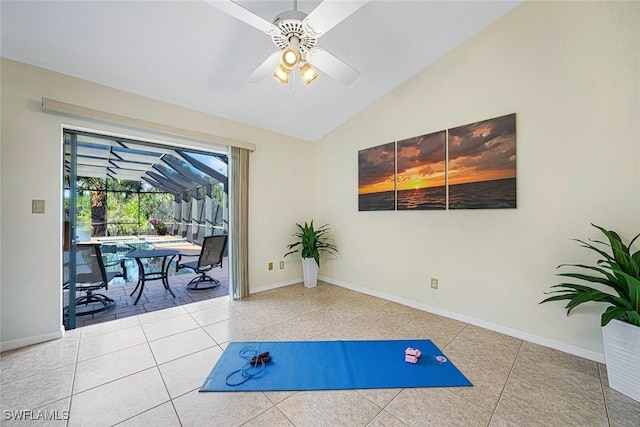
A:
(281, 265)
(434, 283)
(270, 266)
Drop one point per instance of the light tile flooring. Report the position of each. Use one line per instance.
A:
(146, 370)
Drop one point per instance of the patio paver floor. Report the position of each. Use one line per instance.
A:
(155, 296)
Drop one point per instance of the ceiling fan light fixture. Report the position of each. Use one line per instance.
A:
(281, 74)
(290, 58)
(307, 72)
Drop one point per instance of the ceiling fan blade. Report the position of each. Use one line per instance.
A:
(265, 68)
(328, 14)
(332, 66)
(245, 16)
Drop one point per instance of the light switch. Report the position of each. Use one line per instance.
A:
(37, 206)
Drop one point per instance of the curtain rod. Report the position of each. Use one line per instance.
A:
(52, 106)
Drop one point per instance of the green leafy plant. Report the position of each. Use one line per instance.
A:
(619, 269)
(311, 241)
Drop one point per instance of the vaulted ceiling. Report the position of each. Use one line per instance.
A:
(192, 54)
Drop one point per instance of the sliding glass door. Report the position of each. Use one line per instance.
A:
(124, 194)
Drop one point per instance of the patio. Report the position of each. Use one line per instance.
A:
(155, 297)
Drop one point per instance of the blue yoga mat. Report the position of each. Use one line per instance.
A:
(335, 365)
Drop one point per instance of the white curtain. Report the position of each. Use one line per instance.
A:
(239, 222)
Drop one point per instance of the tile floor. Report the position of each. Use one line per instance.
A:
(145, 370)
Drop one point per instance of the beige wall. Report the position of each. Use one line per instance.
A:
(31, 168)
(570, 71)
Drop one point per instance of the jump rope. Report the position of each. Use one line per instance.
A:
(254, 366)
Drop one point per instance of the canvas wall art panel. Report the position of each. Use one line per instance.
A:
(421, 172)
(376, 178)
(482, 164)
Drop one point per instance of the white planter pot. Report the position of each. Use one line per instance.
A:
(310, 272)
(622, 354)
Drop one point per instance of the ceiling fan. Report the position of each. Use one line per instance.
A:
(295, 34)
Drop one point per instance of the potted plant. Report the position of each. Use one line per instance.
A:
(617, 271)
(159, 226)
(310, 242)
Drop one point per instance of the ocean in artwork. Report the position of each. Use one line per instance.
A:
(422, 198)
(497, 194)
(382, 201)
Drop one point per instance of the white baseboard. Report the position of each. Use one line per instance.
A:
(566, 348)
(36, 339)
(275, 285)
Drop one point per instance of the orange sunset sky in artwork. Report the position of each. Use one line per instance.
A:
(421, 162)
(482, 151)
(376, 169)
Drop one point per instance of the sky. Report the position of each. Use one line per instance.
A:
(483, 151)
(376, 168)
(421, 162)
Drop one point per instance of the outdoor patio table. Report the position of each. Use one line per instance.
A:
(162, 274)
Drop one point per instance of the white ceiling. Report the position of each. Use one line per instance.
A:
(191, 54)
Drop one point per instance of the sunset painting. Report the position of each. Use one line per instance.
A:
(420, 179)
(376, 178)
(482, 164)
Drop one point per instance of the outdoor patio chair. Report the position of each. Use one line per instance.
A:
(210, 257)
(91, 276)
